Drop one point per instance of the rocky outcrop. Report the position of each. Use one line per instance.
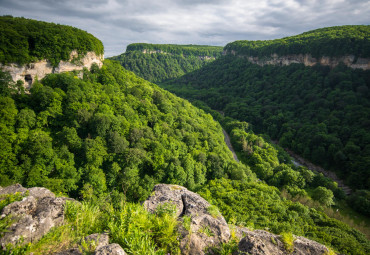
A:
(34, 216)
(307, 59)
(28, 73)
(111, 249)
(261, 242)
(205, 230)
(97, 244)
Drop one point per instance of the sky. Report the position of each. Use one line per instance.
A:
(121, 22)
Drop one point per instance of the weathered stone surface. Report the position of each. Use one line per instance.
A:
(99, 240)
(188, 203)
(34, 216)
(261, 242)
(28, 73)
(306, 59)
(12, 189)
(111, 249)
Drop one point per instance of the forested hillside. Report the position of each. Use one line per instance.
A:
(160, 62)
(113, 134)
(329, 41)
(318, 112)
(25, 40)
(112, 131)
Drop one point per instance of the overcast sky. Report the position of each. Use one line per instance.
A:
(212, 22)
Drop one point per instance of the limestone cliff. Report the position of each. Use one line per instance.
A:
(306, 59)
(201, 57)
(28, 73)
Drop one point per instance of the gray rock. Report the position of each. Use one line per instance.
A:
(99, 240)
(205, 230)
(40, 192)
(111, 249)
(12, 189)
(261, 242)
(34, 216)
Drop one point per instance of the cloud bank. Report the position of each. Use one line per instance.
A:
(212, 22)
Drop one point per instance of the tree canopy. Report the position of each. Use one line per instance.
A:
(25, 40)
(329, 41)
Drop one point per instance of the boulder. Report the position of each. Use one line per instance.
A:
(99, 240)
(111, 249)
(206, 230)
(34, 216)
(261, 242)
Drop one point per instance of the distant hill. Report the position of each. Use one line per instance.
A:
(160, 62)
(24, 41)
(331, 41)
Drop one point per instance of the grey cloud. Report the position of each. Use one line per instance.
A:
(212, 22)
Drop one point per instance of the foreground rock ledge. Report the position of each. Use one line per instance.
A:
(260, 242)
(195, 240)
(35, 215)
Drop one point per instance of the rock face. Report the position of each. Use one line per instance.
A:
(34, 216)
(40, 69)
(307, 59)
(260, 242)
(205, 230)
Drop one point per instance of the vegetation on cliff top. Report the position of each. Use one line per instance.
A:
(166, 61)
(25, 40)
(186, 50)
(330, 41)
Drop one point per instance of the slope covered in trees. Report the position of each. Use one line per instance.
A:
(25, 40)
(109, 131)
(329, 41)
(318, 112)
(160, 62)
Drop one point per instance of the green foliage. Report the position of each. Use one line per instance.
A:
(25, 40)
(139, 232)
(160, 62)
(186, 222)
(187, 50)
(360, 201)
(323, 195)
(10, 198)
(213, 211)
(259, 206)
(317, 112)
(206, 230)
(166, 208)
(329, 41)
(109, 131)
(288, 241)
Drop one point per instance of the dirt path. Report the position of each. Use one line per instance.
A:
(298, 160)
(228, 143)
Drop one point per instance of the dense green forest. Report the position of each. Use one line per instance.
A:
(25, 40)
(167, 61)
(111, 130)
(185, 50)
(320, 113)
(329, 41)
(111, 136)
